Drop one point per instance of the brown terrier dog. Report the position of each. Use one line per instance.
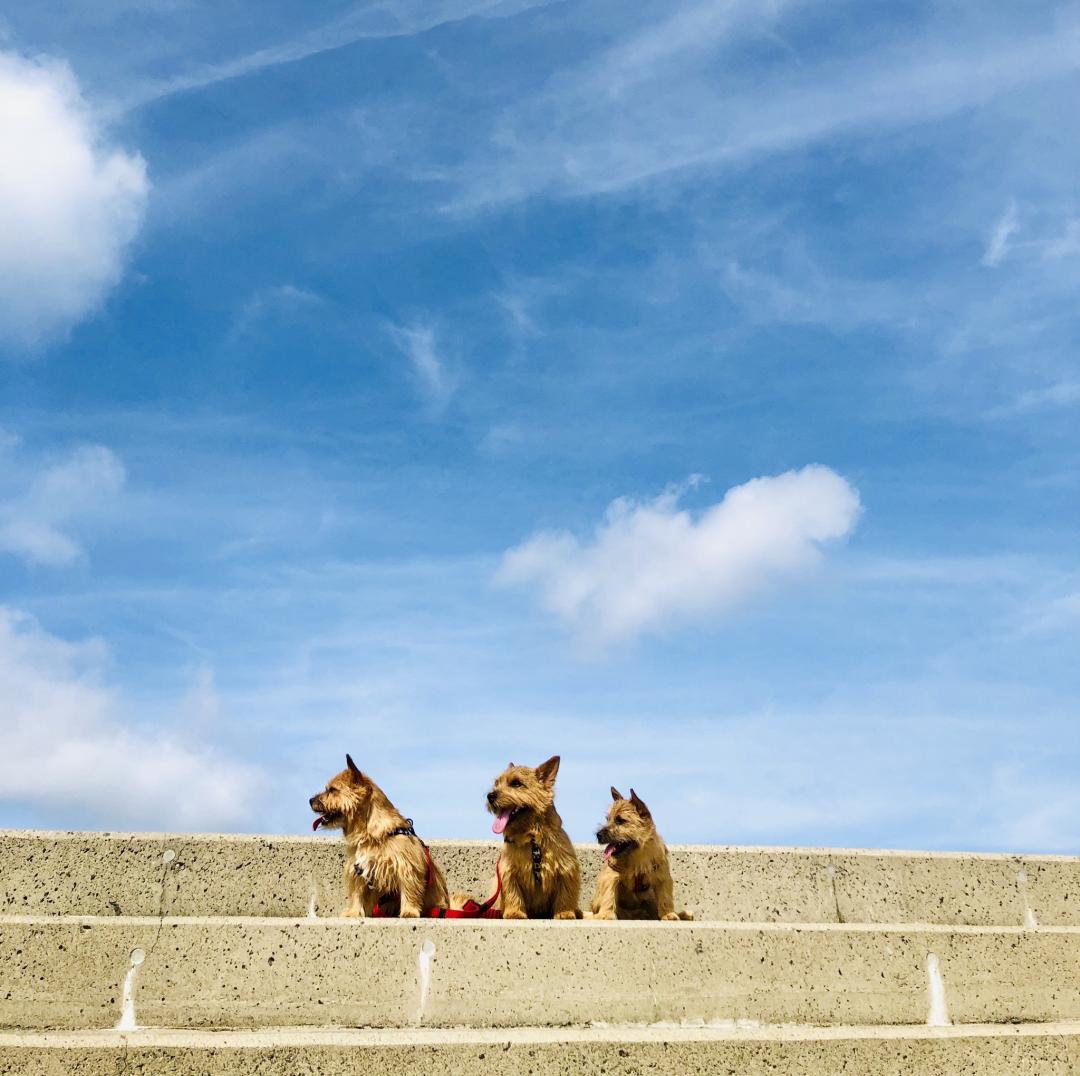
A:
(541, 876)
(385, 862)
(635, 880)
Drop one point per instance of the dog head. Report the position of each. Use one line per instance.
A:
(629, 826)
(343, 800)
(520, 793)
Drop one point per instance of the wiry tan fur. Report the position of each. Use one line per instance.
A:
(635, 881)
(531, 794)
(379, 868)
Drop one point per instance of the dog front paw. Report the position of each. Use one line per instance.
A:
(514, 914)
(670, 917)
(603, 915)
(409, 913)
(570, 914)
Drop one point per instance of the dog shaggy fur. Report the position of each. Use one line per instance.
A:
(541, 876)
(635, 879)
(380, 866)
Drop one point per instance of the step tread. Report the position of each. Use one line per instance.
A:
(331, 1036)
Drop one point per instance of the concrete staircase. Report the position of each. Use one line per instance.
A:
(218, 954)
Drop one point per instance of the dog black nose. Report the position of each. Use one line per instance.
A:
(311, 803)
(491, 798)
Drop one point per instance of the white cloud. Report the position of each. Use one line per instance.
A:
(32, 523)
(418, 344)
(70, 205)
(650, 563)
(67, 750)
(1005, 228)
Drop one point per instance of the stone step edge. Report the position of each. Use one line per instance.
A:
(437, 842)
(326, 922)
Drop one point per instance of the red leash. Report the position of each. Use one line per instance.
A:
(470, 910)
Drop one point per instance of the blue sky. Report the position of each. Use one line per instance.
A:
(689, 389)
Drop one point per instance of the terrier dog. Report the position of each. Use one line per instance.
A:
(385, 862)
(541, 876)
(635, 879)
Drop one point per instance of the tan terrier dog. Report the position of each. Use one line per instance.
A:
(541, 876)
(635, 880)
(385, 862)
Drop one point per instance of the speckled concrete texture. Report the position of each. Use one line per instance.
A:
(1050, 1051)
(123, 874)
(68, 973)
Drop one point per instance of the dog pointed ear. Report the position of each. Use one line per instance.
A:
(616, 795)
(639, 803)
(546, 771)
(354, 770)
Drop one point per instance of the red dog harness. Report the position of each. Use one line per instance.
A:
(470, 910)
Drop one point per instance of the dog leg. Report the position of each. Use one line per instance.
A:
(567, 897)
(512, 900)
(368, 899)
(436, 896)
(665, 901)
(354, 908)
(412, 895)
(605, 899)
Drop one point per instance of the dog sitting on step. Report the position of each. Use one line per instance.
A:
(541, 876)
(385, 862)
(635, 879)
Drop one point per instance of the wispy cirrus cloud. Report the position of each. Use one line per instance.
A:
(419, 344)
(649, 564)
(368, 21)
(1060, 394)
(597, 129)
(279, 299)
(1006, 227)
(46, 503)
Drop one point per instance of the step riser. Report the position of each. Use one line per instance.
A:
(86, 874)
(1027, 1056)
(69, 974)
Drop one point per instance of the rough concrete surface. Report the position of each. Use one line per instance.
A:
(69, 973)
(181, 875)
(1053, 1050)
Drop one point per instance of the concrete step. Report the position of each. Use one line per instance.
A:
(1025, 1050)
(73, 972)
(184, 874)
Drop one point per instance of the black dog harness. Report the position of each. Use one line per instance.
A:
(536, 859)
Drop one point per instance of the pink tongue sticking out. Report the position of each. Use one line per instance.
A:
(501, 822)
(315, 824)
(609, 851)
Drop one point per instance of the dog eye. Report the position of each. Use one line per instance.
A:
(515, 783)
(619, 820)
